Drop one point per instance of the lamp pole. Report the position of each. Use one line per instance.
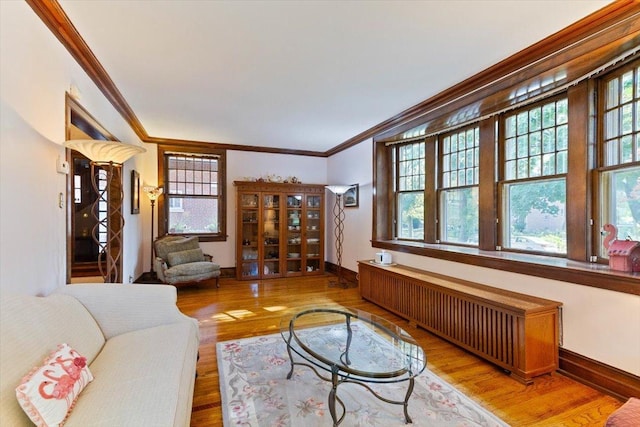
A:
(152, 193)
(338, 220)
(153, 203)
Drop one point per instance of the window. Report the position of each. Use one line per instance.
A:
(559, 156)
(619, 174)
(535, 164)
(194, 187)
(459, 166)
(410, 181)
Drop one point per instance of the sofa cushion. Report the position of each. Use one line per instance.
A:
(49, 392)
(31, 328)
(185, 257)
(147, 373)
(169, 244)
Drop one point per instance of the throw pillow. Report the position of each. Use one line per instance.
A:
(628, 415)
(184, 257)
(48, 393)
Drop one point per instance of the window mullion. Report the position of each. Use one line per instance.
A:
(487, 194)
(430, 194)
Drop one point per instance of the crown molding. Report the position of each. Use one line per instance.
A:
(54, 17)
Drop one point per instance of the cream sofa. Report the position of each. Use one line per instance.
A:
(140, 348)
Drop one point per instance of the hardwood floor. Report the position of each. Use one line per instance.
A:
(240, 309)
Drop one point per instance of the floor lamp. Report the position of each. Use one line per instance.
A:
(152, 193)
(106, 159)
(338, 220)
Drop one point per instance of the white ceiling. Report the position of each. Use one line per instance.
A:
(303, 75)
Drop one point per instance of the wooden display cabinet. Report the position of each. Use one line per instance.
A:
(280, 230)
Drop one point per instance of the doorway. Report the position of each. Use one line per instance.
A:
(83, 249)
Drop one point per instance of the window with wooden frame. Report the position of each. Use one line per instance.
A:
(618, 174)
(409, 164)
(194, 198)
(561, 67)
(533, 186)
(458, 190)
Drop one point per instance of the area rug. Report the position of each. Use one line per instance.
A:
(255, 392)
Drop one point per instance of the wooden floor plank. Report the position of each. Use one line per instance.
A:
(241, 309)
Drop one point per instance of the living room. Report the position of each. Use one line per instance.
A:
(599, 323)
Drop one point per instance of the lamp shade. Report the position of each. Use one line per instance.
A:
(152, 192)
(104, 151)
(338, 189)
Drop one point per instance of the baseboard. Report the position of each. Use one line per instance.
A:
(227, 272)
(348, 275)
(607, 379)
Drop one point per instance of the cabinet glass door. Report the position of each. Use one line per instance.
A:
(294, 235)
(313, 241)
(249, 235)
(271, 235)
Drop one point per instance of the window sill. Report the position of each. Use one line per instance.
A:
(580, 273)
(202, 237)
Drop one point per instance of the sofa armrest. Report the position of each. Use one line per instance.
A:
(124, 308)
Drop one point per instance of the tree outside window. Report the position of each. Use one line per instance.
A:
(535, 153)
(459, 166)
(410, 183)
(619, 172)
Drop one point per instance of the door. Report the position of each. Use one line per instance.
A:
(249, 235)
(82, 249)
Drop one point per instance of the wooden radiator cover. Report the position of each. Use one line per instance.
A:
(518, 332)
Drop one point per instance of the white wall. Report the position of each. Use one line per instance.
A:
(35, 73)
(598, 323)
(352, 166)
(242, 165)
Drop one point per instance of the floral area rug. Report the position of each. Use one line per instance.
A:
(255, 392)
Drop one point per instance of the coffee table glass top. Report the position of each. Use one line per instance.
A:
(353, 343)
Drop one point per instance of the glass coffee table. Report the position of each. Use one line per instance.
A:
(353, 346)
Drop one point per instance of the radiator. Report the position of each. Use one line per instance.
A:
(517, 332)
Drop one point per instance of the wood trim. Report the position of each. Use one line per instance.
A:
(221, 146)
(604, 35)
(598, 375)
(581, 273)
(577, 178)
(349, 275)
(487, 193)
(197, 148)
(54, 17)
(431, 227)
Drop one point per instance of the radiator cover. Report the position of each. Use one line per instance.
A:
(517, 332)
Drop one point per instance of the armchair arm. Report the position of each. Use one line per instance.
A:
(124, 308)
(160, 266)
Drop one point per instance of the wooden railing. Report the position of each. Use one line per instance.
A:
(517, 332)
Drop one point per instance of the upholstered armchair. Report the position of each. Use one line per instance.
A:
(180, 260)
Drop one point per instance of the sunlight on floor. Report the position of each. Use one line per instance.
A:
(275, 308)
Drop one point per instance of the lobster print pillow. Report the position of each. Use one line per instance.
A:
(48, 393)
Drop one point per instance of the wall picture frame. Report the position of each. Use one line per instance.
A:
(135, 192)
(352, 196)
